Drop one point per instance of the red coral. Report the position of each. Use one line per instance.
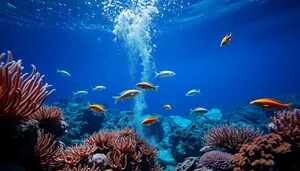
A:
(104, 140)
(82, 168)
(47, 151)
(287, 124)
(125, 150)
(73, 155)
(20, 96)
(261, 153)
(116, 160)
(230, 136)
(47, 112)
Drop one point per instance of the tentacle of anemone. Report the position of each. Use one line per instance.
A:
(20, 96)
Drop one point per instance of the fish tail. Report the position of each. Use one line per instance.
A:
(156, 74)
(230, 34)
(93, 89)
(191, 111)
(57, 70)
(155, 88)
(288, 106)
(117, 98)
(199, 91)
(74, 94)
(156, 118)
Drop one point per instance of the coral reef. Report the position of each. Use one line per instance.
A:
(231, 137)
(261, 154)
(217, 160)
(287, 125)
(117, 150)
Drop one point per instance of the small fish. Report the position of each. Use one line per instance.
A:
(225, 40)
(198, 110)
(127, 94)
(268, 103)
(63, 73)
(80, 93)
(150, 120)
(97, 108)
(167, 107)
(193, 92)
(99, 88)
(163, 74)
(147, 86)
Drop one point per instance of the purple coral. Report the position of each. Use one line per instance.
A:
(231, 137)
(217, 160)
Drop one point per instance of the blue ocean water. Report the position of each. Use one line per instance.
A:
(261, 60)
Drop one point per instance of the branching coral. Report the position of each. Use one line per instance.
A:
(47, 112)
(73, 155)
(231, 137)
(261, 153)
(47, 151)
(82, 168)
(20, 96)
(125, 150)
(116, 160)
(287, 125)
(103, 140)
(217, 160)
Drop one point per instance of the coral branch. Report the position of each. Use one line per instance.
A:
(47, 151)
(116, 160)
(47, 112)
(20, 97)
(231, 137)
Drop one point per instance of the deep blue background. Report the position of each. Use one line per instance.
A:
(262, 59)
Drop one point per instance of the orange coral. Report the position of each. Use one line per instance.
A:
(287, 124)
(20, 96)
(47, 112)
(47, 151)
(261, 153)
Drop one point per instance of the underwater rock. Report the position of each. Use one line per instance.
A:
(189, 164)
(165, 157)
(98, 159)
(214, 114)
(179, 121)
(169, 168)
(20, 140)
(55, 127)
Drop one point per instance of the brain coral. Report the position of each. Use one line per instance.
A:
(217, 160)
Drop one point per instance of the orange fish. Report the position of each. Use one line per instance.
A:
(267, 104)
(150, 120)
(167, 107)
(97, 108)
(225, 40)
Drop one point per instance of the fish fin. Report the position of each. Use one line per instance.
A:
(191, 111)
(117, 98)
(156, 74)
(155, 88)
(288, 106)
(122, 92)
(273, 100)
(230, 34)
(156, 118)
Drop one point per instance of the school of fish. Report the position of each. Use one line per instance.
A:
(265, 103)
